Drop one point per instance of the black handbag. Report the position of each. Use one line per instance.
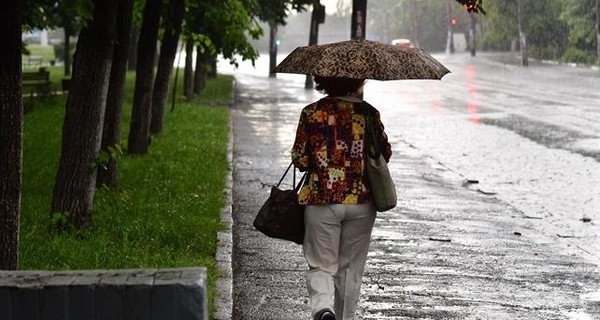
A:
(281, 216)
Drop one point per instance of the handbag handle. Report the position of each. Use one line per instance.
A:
(296, 186)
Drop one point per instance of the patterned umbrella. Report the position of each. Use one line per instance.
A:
(363, 59)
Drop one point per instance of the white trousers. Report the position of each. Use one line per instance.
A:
(336, 244)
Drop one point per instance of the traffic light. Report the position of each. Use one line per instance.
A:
(453, 22)
(471, 6)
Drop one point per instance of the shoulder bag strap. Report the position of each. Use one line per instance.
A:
(371, 136)
(296, 186)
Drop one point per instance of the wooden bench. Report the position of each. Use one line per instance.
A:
(34, 61)
(38, 82)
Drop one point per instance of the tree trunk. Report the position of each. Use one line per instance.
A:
(415, 23)
(82, 129)
(133, 49)
(188, 73)
(168, 50)
(598, 31)
(213, 69)
(450, 23)
(11, 134)
(111, 134)
(522, 36)
(472, 34)
(272, 48)
(67, 52)
(139, 132)
(200, 72)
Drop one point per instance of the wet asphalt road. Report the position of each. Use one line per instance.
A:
(531, 136)
(451, 249)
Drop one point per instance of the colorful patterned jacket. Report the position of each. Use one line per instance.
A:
(329, 144)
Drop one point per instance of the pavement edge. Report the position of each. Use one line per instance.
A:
(224, 296)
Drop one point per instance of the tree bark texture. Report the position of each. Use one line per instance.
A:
(67, 53)
(522, 35)
(598, 31)
(212, 73)
(11, 133)
(139, 130)
(133, 48)
(202, 63)
(111, 134)
(188, 72)
(472, 34)
(82, 129)
(168, 50)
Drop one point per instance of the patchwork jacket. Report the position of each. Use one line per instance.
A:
(330, 144)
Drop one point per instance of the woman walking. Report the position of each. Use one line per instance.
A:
(339, 214)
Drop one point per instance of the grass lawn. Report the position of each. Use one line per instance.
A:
(165, 212)
(37, 50)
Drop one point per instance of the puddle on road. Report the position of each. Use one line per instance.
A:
(579, 315)
(591, 296)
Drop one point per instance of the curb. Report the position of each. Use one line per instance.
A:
(223, 299)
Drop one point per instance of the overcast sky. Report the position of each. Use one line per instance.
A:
(331, 5)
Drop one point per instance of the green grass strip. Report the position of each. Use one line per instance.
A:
(165, 212)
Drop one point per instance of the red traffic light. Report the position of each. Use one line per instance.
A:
(471, 5)
(453, 21)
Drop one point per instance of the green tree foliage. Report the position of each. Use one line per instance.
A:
(475, 6)
(223, 27)
(278, 10)
(546, 32)
(423, 22)
(581, 21)
(54, 13)
(229, 33)
(500, 25)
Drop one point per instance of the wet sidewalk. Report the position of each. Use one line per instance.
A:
(445, 252)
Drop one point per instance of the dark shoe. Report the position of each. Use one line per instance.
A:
(325, 314)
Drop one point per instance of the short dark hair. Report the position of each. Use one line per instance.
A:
(335, 86)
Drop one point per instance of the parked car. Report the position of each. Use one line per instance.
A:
(403, 43)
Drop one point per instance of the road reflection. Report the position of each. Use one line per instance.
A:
(472, 90)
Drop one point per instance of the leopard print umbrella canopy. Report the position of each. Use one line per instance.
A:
(363, 59)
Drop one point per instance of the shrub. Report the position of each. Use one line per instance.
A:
(578, 56)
